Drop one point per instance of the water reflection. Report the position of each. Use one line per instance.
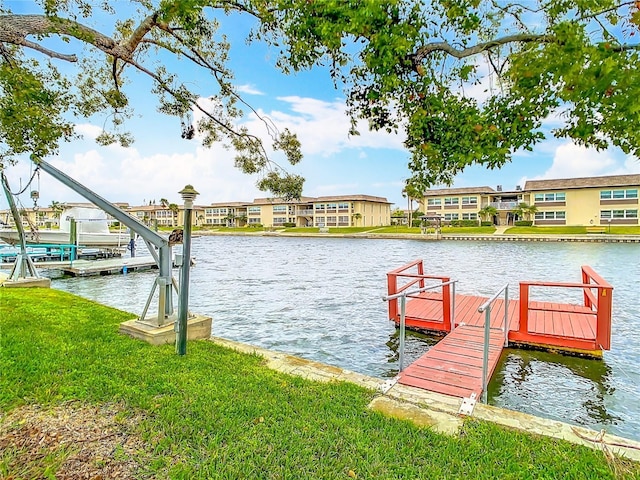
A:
(581, 387)
(415, 345)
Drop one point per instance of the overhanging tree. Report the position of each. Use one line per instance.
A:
(404, 65)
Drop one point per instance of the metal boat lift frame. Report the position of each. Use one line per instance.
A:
(164, 281)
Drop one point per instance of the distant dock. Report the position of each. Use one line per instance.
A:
(87, 268)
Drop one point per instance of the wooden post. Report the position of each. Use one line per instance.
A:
(603, 318)
(392, 289)
(523, 324)
(585, 280)
(421, 272)
(446, 306)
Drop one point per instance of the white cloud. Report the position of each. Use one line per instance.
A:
(248, 89)
(323, 127)
(571, 161)
(88, 130)
(124, 175)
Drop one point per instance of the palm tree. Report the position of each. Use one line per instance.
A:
(241, 219)
(174, 209)
(411, 193)
(229, 218)
(487, 212)
(356, 217)
(524, 210)
(164, 203)
(57, 209)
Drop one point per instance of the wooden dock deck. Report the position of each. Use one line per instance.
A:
(85, 268)
(454, 365)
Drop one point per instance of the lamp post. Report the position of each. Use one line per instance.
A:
(609, 220)
(188, 194)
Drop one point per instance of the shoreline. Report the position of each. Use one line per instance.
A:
(587, 238)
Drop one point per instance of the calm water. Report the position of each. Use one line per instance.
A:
(321, 299)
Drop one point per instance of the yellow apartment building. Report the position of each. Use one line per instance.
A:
(601, 201)
(327, 211)
(588, 201)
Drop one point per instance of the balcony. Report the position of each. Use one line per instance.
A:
(504, 205)
(305, 213)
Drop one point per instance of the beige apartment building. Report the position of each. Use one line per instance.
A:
(588, 201)
(329, 211)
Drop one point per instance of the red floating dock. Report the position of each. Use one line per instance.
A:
(454, 365)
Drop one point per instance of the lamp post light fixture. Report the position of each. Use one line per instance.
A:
(188, 194)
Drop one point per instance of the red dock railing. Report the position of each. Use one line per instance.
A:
(597, 294)
(413, 276)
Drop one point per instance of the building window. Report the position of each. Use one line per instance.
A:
(319, 206)
(451, 201)
(279, 208)
(332, 221)
(550, 197)
(469, 200)
(470, 216)
(450, 216)
(254, 210)
(550, 215)
(434, 202)
(609, 214)
(618, 194)
(319, 221)
(343, 220)
(279, 220)
(254, 220)
(343, 206)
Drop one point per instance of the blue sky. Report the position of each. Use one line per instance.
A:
(160, 162)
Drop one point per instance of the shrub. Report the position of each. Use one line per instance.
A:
(486, 224)
(523, 223)
(289, 224)
(464, 223)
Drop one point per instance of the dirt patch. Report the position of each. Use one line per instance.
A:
(71, 441)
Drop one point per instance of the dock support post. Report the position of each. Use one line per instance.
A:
(485, 353)
(403, 304)
(506, 316)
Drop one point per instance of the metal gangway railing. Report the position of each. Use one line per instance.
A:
(486, 308)
(403, 310)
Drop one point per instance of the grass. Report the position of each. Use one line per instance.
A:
(216, 413)
(573, 230)
(343, 230)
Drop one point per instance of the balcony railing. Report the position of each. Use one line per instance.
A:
(504, 205)
(305, 213)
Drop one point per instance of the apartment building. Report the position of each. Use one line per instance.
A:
(599, 201)
(327, 211)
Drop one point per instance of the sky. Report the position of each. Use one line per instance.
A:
(160, 163)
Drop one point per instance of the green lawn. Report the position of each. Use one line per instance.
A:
(216, 413)
(573, 230)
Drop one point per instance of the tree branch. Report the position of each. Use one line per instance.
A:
(50, 53)
(445, 47)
